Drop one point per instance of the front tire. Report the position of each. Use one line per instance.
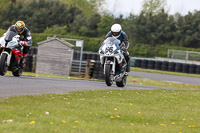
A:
(17, 73)
(108, 73)
(122, 83)
(3, 64)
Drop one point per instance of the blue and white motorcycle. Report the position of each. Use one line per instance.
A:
(113, 62)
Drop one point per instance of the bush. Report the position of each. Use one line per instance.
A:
(90, 44)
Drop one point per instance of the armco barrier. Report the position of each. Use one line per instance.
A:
(165, 65)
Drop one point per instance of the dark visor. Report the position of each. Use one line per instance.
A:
(115, 33)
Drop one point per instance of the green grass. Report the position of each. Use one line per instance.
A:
(45, 75)
(107, 111)
(156, 83)
(164, 72)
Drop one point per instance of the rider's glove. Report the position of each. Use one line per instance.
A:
(23, 43)
(123, 48)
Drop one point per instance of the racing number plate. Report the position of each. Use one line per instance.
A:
(109, 49)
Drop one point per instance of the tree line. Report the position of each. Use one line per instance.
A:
(64, 18)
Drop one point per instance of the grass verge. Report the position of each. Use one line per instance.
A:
(107, 111)
(156, 83)
(164, 72)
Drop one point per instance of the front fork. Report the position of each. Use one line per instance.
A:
(109, 62)
(9, 54)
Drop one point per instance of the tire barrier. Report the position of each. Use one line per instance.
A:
(29, 64)
(198, 69)
(158, 65)
(30, 60)
(192, 68)
(144, 63)
(178, 67)
(151, 64)
(97, 71)
(171, 66)
(164, 66)
(185, 68)
(33, 51)
(137, 63)
(86, 56)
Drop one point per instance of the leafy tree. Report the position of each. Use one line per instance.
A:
(152, 7)
(120, 19)
(105, 24)
(89, 7)
(77, 26)
(56, 30)
(92, 25)
(188, 30)
(37, 14)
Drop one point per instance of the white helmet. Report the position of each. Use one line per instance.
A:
(116, 30)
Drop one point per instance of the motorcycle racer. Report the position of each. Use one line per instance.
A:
(116, 32)
(25, 38)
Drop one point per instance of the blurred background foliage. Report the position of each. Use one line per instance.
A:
(150, 33)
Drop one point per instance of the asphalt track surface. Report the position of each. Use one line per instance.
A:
(26, 85)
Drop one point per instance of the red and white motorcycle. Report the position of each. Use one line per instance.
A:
(11, 54)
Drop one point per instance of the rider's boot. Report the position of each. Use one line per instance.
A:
(128, 64)
(23, 61)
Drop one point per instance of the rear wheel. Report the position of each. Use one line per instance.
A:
(108, 73)
(122, 83)
(3, 64)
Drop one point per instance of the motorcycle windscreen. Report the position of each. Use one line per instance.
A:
(10, 35)
(112, 40)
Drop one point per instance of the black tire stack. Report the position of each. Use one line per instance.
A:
(151, 64)
(178, 67)
(85, 56)
(185, 68)
(138, 63)
(192, 68)
(97, 72)
(171, 66)
(144, 63)
(30, 59)
(165, 65)
(198, 69)
(158, 65)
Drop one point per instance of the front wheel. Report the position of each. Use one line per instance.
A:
(17, 72)
(122, 83)
(108, 73)
(3, 64)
